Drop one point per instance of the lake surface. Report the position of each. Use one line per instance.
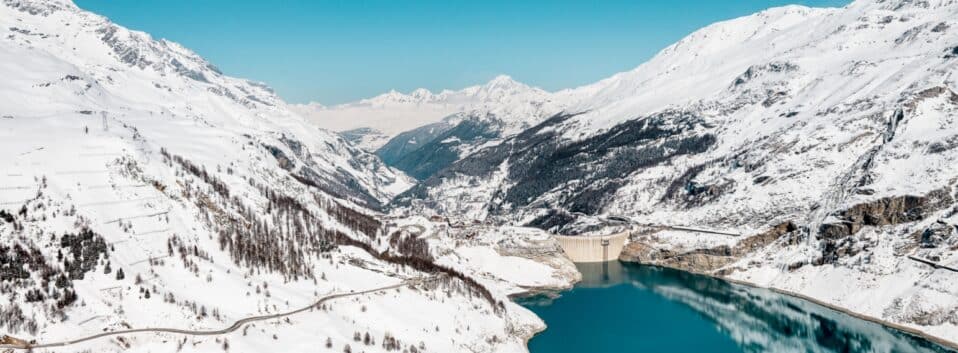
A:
(633, 308)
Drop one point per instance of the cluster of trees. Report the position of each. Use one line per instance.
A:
(198, 310)
(84, 249)
(175, 245)
(13, 318)
(388, 342)
(427, 265)
(79, 253)
(6, 217)
(279, 240)
(24, 267)
(283, 238)
(391, 343)
(200, 172)
(13, 260)
(366, 338)
(351, 218)
(410, 245)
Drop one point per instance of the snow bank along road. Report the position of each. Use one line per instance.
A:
(235, 326)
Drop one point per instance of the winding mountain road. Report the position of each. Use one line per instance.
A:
(235, 326)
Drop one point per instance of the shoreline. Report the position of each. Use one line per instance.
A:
(888, 324)
(892, 325)
(534, 291)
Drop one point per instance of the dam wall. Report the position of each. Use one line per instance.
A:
(593, 248)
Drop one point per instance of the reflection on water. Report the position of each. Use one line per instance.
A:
(632, 308)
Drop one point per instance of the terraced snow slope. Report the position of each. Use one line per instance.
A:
(142, 188)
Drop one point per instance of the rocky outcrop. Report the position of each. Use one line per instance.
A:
(886, 211)
(704, 260)
(838, 239)
(699, 261)
(762, 240)
(936, 235)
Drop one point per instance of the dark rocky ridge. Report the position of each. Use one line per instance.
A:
(590, 171)
(410, 141)
(439, 151)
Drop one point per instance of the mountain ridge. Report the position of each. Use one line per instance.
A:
(392, 113)
(818, 119)
(143, 188)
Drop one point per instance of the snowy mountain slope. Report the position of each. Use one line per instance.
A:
(794, 108)
(139, 188)
(90, 69)
(838, 120)
(407, 142)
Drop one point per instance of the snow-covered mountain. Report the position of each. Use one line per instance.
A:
(372, 123)
(83, 66)
(788, 85)
(141, 188)
(837, 124)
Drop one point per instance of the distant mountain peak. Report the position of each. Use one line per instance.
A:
(503, 81)
(495, 89)
(503, 85)
(503, 98)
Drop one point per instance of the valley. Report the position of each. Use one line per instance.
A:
(777, 181)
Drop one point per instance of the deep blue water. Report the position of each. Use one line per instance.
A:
(632, 308)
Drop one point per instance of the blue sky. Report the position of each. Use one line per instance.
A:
(334, 51)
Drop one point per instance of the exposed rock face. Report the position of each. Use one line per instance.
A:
(762, 240)
(699, 261)
(838, 239)
(886, 211)
(704, 260)
(936, 235)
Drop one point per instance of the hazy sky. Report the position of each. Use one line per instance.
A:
(333, 51)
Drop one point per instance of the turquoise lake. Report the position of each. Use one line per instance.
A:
(633, 308)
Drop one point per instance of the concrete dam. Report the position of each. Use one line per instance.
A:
(585, 248)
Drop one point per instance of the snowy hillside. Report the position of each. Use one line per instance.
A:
(840, 122)
(140, 188)
(789, 97)
(150, 203)
(106, 76)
